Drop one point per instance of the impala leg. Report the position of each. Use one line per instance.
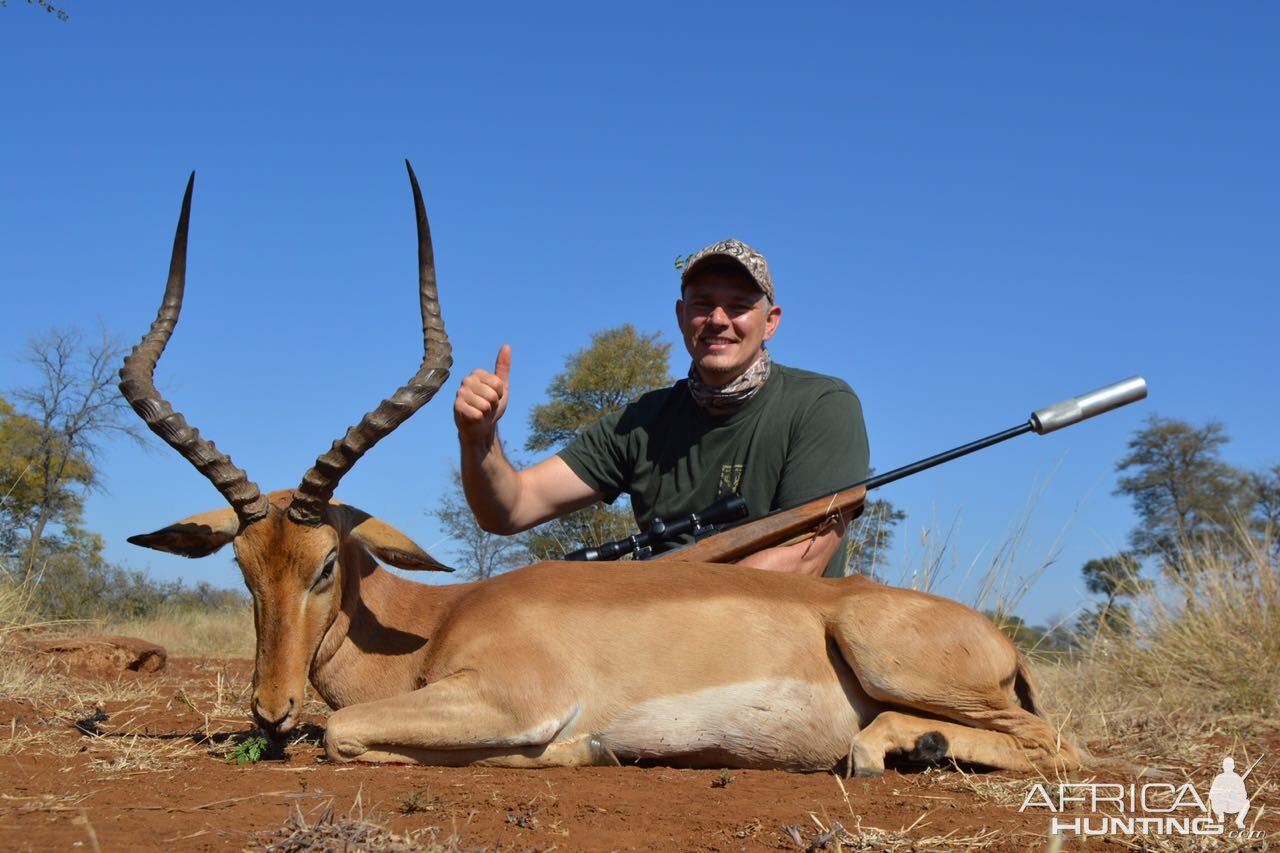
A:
(950, 662)
(455, 721)
(991, 714)
(932, 740)
(585, 750)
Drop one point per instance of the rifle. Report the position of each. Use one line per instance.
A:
(715, 545)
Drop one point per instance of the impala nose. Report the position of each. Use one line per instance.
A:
(274, 723)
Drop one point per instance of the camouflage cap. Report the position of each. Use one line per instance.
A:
(739, 252)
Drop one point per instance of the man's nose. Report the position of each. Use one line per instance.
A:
(719, 316)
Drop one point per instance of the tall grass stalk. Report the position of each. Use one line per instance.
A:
(1203, 645)
(999, 582)
(16, 616)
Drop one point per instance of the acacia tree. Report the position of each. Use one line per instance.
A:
(1181, 489)
(69, 413)
(618, 367)
(1264, 487)
(1117, 577)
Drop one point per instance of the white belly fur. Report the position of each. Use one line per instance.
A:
(773, 723)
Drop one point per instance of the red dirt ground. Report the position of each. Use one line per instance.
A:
(152, 779)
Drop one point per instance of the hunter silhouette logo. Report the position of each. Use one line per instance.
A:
(1227, 795)
(1152, 808)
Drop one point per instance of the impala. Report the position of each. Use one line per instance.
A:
(564, 663)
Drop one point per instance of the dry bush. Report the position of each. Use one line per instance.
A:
(225, 632)
(330, 832)
(1203, 650)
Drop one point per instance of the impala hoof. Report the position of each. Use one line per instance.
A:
(930, 748)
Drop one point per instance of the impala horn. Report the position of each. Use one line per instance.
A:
(137, 384)
(318, 484)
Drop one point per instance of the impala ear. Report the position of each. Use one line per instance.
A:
(197, 536)
(388, 544)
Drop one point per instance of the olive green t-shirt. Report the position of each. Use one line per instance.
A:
(802, 436)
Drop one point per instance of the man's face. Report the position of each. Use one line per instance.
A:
(724, 320)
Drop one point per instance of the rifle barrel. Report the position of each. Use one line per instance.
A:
(1048, 419)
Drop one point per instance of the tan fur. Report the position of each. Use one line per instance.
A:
(560, 664)
(571, 663)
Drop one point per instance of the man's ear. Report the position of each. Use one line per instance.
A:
(197, 536)
(386, 543)
(772, 317)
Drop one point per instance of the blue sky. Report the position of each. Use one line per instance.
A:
(971, 211)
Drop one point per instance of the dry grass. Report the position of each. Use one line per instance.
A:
(1202, 660)
(1200, 667)
(17, 619)
(222, 633)
(1189, 844)
(115, 757)
(1000, 580)
(988, 787)
(329, 832)
(51, 702)
(838, 838)
(825, 833)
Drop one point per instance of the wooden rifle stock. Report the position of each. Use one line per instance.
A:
(733, 544)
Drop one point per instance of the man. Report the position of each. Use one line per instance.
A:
(739, 424)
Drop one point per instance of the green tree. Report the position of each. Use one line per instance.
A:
(592, 525)
(1029, 638)
(24, 494)
(64, 420)
(1264, 496)
(75, 581)
(1118, 578)
(867, 540)
(1181, 489)
(618, 367)
(480, 554)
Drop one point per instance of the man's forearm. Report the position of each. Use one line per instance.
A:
(809, 556)
(490, 482)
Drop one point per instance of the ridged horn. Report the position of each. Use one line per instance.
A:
(318, 484)
(137, 384)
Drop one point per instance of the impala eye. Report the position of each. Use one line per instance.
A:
(326, 573)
